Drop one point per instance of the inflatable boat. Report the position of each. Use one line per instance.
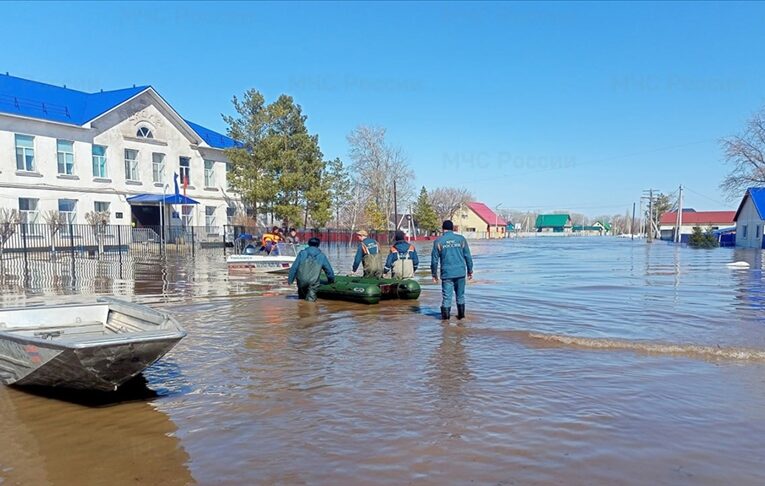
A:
(369, 290)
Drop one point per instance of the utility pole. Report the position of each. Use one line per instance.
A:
(395, 206)
(650, 229)
(679, 219)
(632, 224)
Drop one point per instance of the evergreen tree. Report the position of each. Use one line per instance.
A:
(425, 216)
(339, 182)
(702, 239)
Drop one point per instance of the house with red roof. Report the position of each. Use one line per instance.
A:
(706, 220)
(477, 220)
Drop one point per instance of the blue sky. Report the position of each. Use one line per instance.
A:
(545, 106)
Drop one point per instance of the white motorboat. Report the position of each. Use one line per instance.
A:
(92, 346)
(278, 261)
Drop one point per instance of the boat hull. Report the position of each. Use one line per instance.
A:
(369, 290)
(101, 368)
(259, 264)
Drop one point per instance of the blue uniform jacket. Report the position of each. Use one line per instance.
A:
(372, 248)
(453, 253)
(320, 257)
(401, 247)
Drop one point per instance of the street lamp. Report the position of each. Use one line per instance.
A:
(162, 215)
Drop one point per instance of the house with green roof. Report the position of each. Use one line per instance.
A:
(553, 223)
(599, 228)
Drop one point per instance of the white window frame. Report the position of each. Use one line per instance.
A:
(230, 213)
(144, 132)
(209, 173)
(131, 166)
(106, 204)
(100, 169)
(210, 219)
(185, 171)
(227, 173)
(28, 217)
(744, 228)
(68, 216)
(187, 215)
(65, 158)
(25, 152)
(158, 167)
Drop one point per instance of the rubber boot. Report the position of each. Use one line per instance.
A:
(460, 311)
(445, 313)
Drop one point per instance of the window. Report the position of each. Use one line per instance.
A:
(230, 213)
(757, 231)
(209, 173)
(28, 214)
(185, 163)
(99, 161)
(227, 182)
(158, 167)
(65, 155)
(144, 132)
(68, 210)
(25, 153)
(186, 215)
(101, 206)
(131, 165)
(744, 232)
(210, 219)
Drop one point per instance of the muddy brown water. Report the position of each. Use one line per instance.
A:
(582, 361)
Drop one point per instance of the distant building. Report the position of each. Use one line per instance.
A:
(554, 223)
(597, 229)
(750, 218)
(706, 220)
(477, 220)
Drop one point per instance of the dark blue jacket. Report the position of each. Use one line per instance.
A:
(452, 252)
(320, 257)
(372, 248)
(401, 247)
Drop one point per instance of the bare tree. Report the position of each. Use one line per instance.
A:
(55, 221)
(376, 165)
(746, 152)
(98, 220)
(447, 200)
(9, 223)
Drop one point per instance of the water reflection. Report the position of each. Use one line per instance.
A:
(62, 438)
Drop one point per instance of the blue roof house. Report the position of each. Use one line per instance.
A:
(118, 151)
(750, 219)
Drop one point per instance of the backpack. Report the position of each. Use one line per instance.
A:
(403, 267)
(309, 270)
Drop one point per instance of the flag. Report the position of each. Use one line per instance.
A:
(185, 184)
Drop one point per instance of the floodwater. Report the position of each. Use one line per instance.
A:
(582, 361)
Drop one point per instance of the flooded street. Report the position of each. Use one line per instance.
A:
(582, 360)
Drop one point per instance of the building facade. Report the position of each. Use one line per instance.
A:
(553, 223)
(476, 220)
(706, 220)
(75, 152)
(750, 219)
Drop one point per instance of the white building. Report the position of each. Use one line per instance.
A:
(750, 219)
(77, 152)
(706, 220)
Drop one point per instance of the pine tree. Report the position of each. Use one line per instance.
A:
(425, 216)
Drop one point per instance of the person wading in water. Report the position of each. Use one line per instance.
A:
(306, 270)
(368, 253)
(452, 253)
(402, 260)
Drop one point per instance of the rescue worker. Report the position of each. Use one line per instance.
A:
(452, 253)
(368, 253)
(293, 237)
(306, 270)
(402, 261)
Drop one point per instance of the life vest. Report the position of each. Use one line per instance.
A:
(270, 236)
(403, 266)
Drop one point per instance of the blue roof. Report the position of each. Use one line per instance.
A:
(166, 198)
(758, 199)
(24, 97)
(214, 139)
